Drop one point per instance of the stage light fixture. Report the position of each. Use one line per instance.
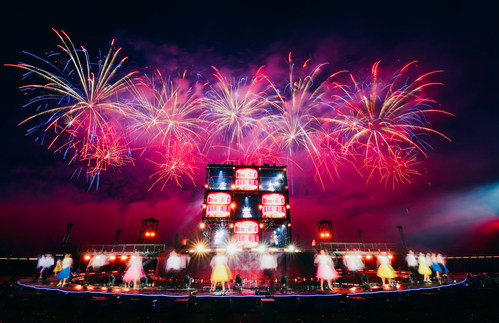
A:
(231, 248)
(87, 257)
(200, 247)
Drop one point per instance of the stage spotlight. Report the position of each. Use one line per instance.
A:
(200, 247)
(202, 225)
(112, 257)
(124, 257)
(390, 256)
(290, 248)
(262, 248)
(87, 257)
(368, 257)
(231, 248)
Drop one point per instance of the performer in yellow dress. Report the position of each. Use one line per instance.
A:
(424, 268)
(221, 272)
(385, 269)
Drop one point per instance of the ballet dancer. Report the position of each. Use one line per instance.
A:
(423, 268)
(221, 272)
(325, 269)
(135, 271)
(65, 272)
(385, 269)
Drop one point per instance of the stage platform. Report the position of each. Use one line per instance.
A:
(202, 292)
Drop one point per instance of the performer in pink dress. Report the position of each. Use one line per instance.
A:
(134, 272)
(325, 269)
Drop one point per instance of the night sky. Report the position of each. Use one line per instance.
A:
(453, 207)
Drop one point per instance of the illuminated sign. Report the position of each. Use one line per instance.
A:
(218, 211)
(246, 234)
(273, 206)
(246, 179)
(246, 240)
(273, 211)
(246, 227)
(246, 184)
(218, 205)
(218, 198)
(273, 199)
(246, 173)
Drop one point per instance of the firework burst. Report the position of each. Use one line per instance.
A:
(237, 108)
(174, 163)
(379, 120)
(167, 111)
(84, 94)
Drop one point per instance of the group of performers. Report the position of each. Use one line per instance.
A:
(46, 265)
(424, 267)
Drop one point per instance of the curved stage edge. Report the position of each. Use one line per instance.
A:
(148, 293)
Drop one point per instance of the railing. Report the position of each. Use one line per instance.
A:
(145, 249)
(342, 247)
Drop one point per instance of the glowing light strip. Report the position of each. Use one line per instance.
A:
(242, 296)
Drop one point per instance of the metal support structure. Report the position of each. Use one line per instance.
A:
(117, 237)
(148, 230)
(402, 237)
(66, 237)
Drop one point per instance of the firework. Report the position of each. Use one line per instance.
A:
(380, 119)
(167, 111)
(237, 108)
(297, 121)
(85, 96)
(174, 163)
(96, 118)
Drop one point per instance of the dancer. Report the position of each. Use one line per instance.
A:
(268, 264)
(49, 263)
(423, 268)
(58, 266)
(325, 269)
(354, 264)
(435, 267)
(221, 272)
(135, 271)
(385, 269)
(441, 262)
(429, 262)
(173, 265)
(412, 263)
(65, 272)
(97, 262)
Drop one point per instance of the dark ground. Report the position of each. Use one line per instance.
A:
(476, 302)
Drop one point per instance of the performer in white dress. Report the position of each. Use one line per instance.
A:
(135, 271)
(325, 269)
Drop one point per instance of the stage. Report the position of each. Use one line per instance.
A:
(310, 290)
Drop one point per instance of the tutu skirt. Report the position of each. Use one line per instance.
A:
(221, 273)
(424, 269)
(133, 274)
(385, 271)
(64, 273)
(445, 270)
(436, 267)
(326, 272)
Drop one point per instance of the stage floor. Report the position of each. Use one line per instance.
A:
(311, 290)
